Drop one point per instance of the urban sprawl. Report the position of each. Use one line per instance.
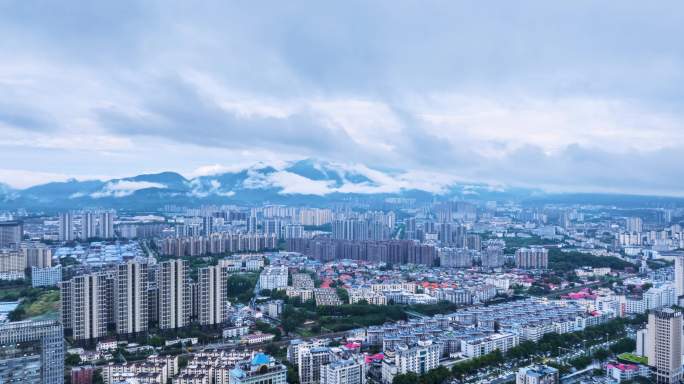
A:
(395, 293)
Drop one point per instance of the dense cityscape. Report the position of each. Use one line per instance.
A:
(341, 192)
(398, 292)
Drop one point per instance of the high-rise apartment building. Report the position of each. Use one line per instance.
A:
(66, 226)
(532, 258)
(12, 264)
(11, 234)
(106, 225)
(349, 371)
(493, 257)
(311, 362)
(410, 228)
(350, 229)
(130, 297)
(634, 224)
(418, 358)
(252, 224)
(664, 345)
(85, 305)
(679, 275)
(175, 309)
(293, 231)
(273, 227)
(32, 352)
(213, 295)
(455, 257)
(88, 225)
(37, 255)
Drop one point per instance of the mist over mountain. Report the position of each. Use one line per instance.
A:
(304, 182)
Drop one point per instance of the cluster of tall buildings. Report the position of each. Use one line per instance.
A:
(92, 225)
(133, 295)
(360, 229)
(390, 251)
(532, 258)
(15, 261)
(216, 243)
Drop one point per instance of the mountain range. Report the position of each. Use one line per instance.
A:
(304, 182)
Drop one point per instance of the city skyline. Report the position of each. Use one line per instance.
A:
(471, 92)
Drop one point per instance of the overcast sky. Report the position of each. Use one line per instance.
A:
(566, 96)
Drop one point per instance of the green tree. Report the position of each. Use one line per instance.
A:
(406, 378)
(72, 359)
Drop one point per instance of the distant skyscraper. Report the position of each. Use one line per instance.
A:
(273, 226)
(175, 307)
(293, 231)
(85, 305)
(377, 231)
(252, 224)
(11, 234)
(532, 258)
(106, 225)
(32, 352)
(350, 229)
(213, 295)
(88, 225)
(37, 255)
(679, 275)
(455, 258)
(207, 225)
(493, 257)
(665, 345)
(634, 224)
(446, 234)
(130, 297)
(66, 226)
(410, 228)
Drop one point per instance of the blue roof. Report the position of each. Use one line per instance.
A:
(261, 359)
(237, 372)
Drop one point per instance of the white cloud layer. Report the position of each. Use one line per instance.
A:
(122, 188)
(533, 93)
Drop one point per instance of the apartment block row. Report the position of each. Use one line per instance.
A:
(131, 296)
(216, 243)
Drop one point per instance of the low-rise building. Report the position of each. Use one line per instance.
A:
(417, 358)
(537, 374)
(623, 372)
(46, 277)
(260, 369)
(480, 346)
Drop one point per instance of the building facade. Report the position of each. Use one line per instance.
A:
(174, 294)
(32, 352)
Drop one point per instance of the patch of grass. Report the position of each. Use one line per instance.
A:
(36, 304)
(47, 302)
(632, 358)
